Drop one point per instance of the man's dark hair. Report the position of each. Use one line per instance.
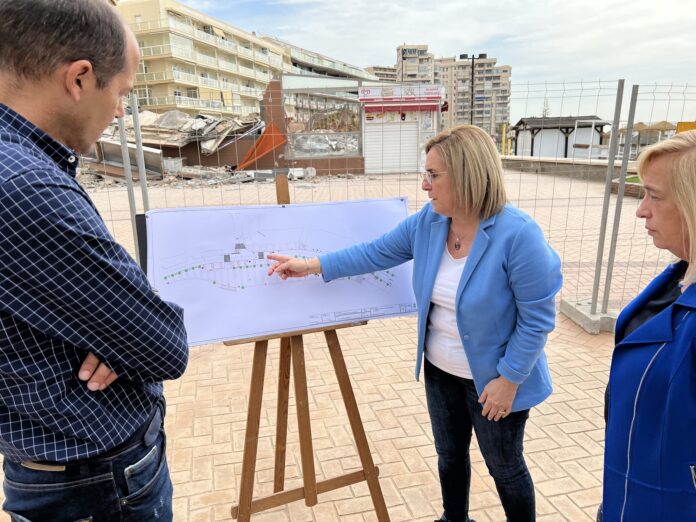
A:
(38, 36)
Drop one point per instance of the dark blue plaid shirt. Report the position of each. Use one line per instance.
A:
(67, 289)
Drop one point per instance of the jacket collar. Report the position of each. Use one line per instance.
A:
(438, 237)
(660, 328)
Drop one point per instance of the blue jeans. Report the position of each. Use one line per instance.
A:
(128, 485)
(454, 411)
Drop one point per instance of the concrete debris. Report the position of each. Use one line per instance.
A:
(177, 129)
(95, 176)
(323, 144)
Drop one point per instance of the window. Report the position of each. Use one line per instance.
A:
(144, 95)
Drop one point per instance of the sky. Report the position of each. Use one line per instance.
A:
(547, 42)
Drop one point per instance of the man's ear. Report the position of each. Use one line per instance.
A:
(78, 76)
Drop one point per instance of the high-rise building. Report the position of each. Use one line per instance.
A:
(194, 63)
(384, 73)
(414, 64)
(477, 91)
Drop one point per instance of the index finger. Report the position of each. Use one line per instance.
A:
(88, 366)
(278, 257)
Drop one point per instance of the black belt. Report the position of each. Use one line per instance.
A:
(147, 434)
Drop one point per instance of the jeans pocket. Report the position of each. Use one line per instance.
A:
(139, 475)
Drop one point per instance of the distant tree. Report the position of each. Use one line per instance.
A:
(546, 111)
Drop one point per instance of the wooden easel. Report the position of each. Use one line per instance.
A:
(292, 350)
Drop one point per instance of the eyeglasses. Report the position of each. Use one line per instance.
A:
(430, 176)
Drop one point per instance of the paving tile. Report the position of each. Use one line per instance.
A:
(207, 407)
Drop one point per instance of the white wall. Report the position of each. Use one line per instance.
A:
(585, 136)
(550, 143)
(524, 143)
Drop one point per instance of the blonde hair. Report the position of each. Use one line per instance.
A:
(681, 149)
(475, 169)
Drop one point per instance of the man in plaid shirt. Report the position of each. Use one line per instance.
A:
(84, 341)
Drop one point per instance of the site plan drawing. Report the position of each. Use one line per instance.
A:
(212, 262)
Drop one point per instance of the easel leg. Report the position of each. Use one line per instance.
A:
(282, 414)
(356, 425)
(300, 377)
(251, 440)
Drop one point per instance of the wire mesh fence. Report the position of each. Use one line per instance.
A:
(557, 149)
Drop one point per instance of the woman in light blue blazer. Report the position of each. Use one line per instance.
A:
(485, 281)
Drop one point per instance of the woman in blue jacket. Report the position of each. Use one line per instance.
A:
(650, 449)
(485, 281)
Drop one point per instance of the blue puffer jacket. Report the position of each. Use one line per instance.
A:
(650, 451)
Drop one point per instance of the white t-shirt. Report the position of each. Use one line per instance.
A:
(443, 345)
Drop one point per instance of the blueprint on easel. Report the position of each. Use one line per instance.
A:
(212, 262)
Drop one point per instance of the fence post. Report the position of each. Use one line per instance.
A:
(619, 196)
(613, 145)
(139, 154)
(129, 183)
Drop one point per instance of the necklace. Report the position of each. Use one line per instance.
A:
(457, 242)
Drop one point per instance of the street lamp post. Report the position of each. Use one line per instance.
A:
(471, 105)
(473, 61)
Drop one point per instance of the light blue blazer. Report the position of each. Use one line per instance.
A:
(505, 299)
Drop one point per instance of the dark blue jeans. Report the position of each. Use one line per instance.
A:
(131, 484)
(454, 411)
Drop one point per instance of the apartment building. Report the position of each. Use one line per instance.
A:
(477, 91)
(194, 63)
(302, 108)
(383, 72)
(414, 64)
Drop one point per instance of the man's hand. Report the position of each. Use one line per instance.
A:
(97, 374)
(497, 398)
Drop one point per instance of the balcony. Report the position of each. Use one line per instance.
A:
(261, 57)
(209, 82)
(168, 50)
(277, 63)
(227, 66)
(204, 59)
(205, 37)
(263, 76)
(184, 101)
(246, 53)
(153, 77)
(185, 77)
(247, 71)
(226, 45)
(171, 24)
(250, 91)
(247, 110)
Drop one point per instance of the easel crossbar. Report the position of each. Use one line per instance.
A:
(293, 495)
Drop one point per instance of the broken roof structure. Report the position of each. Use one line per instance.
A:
(177, 129)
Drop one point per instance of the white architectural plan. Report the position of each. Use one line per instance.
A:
(212, 262)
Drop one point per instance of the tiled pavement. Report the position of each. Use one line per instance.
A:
(207, 412)
(564, 438)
